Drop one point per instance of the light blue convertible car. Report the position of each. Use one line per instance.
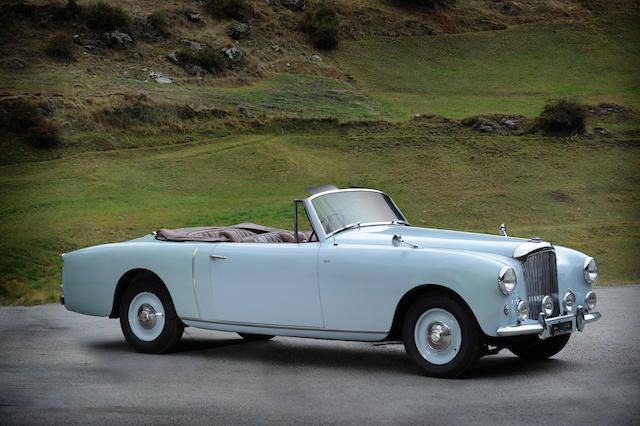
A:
(359, 272)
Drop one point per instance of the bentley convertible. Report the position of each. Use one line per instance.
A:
(359, 271)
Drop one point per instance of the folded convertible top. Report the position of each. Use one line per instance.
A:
(236, 233)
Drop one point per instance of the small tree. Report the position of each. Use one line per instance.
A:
(563, 115)
(236, 9)
(60, 45)
(45, 134)
(322, 25)
(103, 17)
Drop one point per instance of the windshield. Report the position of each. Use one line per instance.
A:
(340, 209)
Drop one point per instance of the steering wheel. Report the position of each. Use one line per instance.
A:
(328, 218)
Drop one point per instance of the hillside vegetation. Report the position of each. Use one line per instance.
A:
(436, 107)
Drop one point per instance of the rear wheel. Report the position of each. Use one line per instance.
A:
(255, 337)
(441, 336)
(537, 349)
(148, 319)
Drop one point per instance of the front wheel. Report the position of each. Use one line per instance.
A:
(148, 319)
(441, 336)
(537, 349)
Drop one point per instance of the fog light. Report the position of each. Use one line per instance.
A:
(547, 305)
(590, 300)
(569, 301)
(523, 310)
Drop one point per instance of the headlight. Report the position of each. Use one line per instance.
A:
(507, 280)
(523, 310)
(590, 300)
(547, 305)
(569, 301)
(590, 270)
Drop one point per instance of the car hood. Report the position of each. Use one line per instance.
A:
(431, 239)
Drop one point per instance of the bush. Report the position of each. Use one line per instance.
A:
(563, 116)
(103, 17)
(158, 21)
(73, 9)
(46, 134)
(322, 26)
(236, 9)
(26, 115)
(60, 45)
(208, 59)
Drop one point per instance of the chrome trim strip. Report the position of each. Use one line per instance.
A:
(193, 280)
(520, 330)
(592, 317)
(526, 248)
(282, 327)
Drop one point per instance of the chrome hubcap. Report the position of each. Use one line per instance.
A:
(148, 316)
(438, 335)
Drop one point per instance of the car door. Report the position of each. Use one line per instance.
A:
(265, 283)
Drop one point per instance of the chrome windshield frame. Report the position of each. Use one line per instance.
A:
(315, 219)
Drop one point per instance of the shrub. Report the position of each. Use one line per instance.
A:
(103, 17)
(236, 9)
(208, 59)
(46, 134)
(60, 45)
(563, 116)
(322, 27)
(26, 114)
(158, 21)
(73, 9)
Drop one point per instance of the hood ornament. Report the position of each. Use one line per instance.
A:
(503, 229)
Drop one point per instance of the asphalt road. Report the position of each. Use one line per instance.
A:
(60, 367)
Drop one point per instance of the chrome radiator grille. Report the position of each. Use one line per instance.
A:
(541, 276)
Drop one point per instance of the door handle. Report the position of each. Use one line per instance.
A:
(213, 256)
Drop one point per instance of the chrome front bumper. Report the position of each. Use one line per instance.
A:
(545, 328)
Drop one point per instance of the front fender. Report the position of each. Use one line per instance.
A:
(361, 286)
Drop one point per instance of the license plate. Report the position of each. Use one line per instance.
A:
(561, 328)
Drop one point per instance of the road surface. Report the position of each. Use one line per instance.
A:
(61, 367)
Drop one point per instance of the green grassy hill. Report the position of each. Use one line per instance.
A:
(204, 150)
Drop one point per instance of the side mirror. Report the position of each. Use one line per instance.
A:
(396, 240)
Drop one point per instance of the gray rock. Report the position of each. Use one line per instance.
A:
(16, 65)
(193, 16)
(118, 40)
(136, 56)
(164, 80)
(601, 131)
(46, 109)
(486, 128)
(89, 40)
(295, 5)
(194, 69)
(233, 54)
(315, 58)
(173, 58)
(511, 124)
(238, 30)
(275, 47)
(419, 27)
(195, 45)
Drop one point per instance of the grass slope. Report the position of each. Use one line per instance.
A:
(516, 70)
(582, 195)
